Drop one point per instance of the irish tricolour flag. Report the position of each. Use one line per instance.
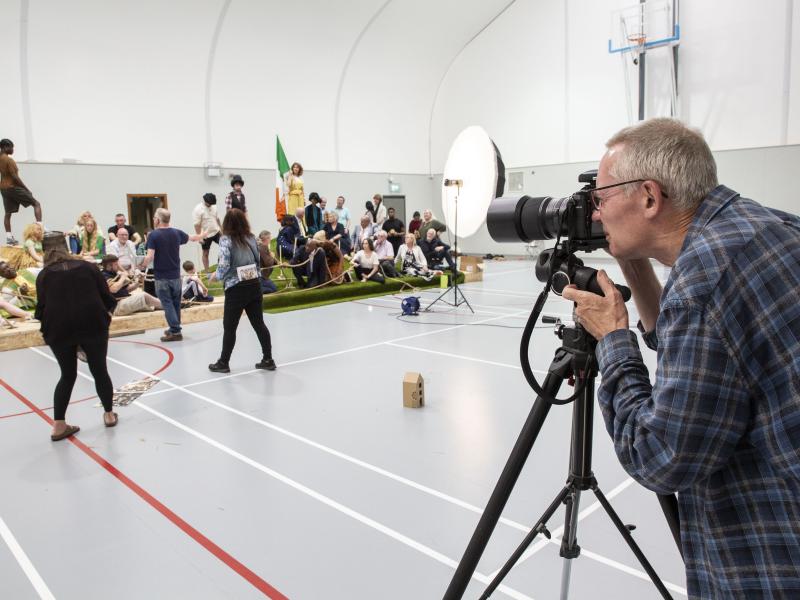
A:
(281, 168)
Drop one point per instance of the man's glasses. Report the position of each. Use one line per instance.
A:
(598, 200)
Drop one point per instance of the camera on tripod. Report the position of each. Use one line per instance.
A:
(526, 219)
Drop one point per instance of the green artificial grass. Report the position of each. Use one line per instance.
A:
(295, 299)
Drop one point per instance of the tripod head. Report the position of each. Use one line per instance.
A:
(558, 267)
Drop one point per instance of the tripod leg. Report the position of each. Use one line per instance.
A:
(569, 547)
(502, 490)
(536, 530)
(631, 542)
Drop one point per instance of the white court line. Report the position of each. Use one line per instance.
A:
(360, 517)
(340, 352)
(459, 356)
(531, 268)
(25, 563)
(378, 470)
(558, 531)
(453, 312)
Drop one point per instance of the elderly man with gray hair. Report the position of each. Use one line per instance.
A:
(164, 251)
(720, 425)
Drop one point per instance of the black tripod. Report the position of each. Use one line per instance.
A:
(574, 360)
(458, 296)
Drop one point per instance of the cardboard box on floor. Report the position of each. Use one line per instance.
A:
(413, 390)
(472, 267)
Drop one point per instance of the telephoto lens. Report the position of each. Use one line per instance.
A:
(514, 219)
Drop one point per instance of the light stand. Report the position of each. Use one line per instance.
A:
(458, 295)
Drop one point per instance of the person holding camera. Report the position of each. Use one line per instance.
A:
(721, 424)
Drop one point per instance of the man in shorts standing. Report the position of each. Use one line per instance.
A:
(205, 218)
(14, 192)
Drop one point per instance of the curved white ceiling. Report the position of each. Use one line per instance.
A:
(124, 82)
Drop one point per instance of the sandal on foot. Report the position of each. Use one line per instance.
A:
(112, 423)
(69, 431)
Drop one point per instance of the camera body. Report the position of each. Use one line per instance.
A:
(512, 219)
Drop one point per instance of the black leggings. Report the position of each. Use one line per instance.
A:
(363, 272)
(66, 355)
(247, 296)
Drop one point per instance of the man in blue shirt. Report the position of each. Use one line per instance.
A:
(721, 424)
(164, 251)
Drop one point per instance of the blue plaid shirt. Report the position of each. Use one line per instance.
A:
(721, 424)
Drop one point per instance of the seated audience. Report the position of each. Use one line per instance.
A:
(119, 222)
(311, 263)
(436, 251)
(75, 234)
(18, 286)
(121, 286)
(385, 254)
(300, 223)
(17, 292)
(334, 260)
(380, 213)
(334, 232)
(395, 228)
(429, 222)
(412, 260)
(192, 287)
(124, 250)
(414, 224)
(268, 262)
(289, 238)
(343, 214)
(365, 229)
(367, 264)
(92, 243)
(141, 249)
(313, 214)
(370, 211)
(32, 237)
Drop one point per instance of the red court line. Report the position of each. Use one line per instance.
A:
(164, 367)
(198, 537)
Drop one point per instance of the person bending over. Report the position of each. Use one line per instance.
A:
(720, 425)
(74, 307)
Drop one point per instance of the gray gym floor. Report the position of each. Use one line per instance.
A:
(312, 481)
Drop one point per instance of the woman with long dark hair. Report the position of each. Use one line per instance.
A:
(238, 268)
(75, 307)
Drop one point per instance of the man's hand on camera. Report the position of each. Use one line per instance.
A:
(599, 315)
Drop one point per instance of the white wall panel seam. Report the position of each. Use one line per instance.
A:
(353, 48)
(444, 76)
(787, 73)
(212, 52)
(23, 76)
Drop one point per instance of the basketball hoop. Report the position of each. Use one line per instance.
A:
(637, 39)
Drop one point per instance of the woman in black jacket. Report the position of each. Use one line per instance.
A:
(75, 307)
